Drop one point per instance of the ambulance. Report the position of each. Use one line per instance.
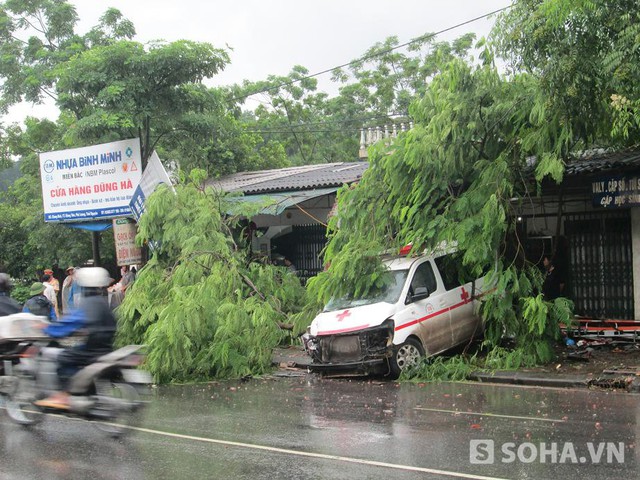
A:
(429, 305)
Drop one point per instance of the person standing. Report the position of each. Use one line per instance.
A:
(53, 280)
(8, 306)
(118, 290)
(553, 285)
(290, 266)
(67, 290)
(50, 292)
(128, 277)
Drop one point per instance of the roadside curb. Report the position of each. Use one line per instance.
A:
(528, 379)
(605, 381)
(294, 358)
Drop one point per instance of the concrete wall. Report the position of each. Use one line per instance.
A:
(313, 211)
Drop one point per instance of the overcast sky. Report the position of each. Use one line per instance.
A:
(271, 36)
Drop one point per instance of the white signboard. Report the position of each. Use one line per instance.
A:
(88, 183)
(124, 234)
(154, 174)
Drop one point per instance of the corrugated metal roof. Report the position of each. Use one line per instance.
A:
(327, 175)
(595, 161)
(293, 178)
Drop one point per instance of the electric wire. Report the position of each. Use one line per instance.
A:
(370, 56)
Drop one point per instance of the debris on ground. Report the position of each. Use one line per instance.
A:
(584, 328)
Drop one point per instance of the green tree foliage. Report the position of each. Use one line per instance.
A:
(107, 87)
(126, 89)
(201, 305)
(386, 79)
(29, 244)
(295, 115)
(374, 90)
(587, 57)
(454, 177)
(115, 88)
(36, 36)
(451, 180)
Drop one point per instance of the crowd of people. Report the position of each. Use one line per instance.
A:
(46, 298)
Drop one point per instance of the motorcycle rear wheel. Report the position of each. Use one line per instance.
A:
(121, 405)
(19, 404)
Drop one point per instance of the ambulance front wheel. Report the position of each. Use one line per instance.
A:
(404, 356)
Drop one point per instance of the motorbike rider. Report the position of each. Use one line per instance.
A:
(8, 305)
(92, 317)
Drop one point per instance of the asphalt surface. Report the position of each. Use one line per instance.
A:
(302, 426)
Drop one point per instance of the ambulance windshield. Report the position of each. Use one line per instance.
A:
(388, 293)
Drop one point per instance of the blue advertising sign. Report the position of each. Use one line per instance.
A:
(616, 191)
(89, 183)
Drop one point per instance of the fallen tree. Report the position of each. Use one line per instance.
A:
(203, 306)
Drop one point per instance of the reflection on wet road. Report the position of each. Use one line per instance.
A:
(308, 427)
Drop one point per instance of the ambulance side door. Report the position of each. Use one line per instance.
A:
(425, 315)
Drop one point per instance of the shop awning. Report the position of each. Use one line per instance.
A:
(91, 226)
(276, 203)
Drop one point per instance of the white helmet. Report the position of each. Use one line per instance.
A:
(95, 277)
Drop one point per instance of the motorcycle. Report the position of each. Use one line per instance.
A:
(111, 391)
(15, 332)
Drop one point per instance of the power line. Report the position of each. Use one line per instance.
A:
(298, 132)
(373, 55)
(345, 121)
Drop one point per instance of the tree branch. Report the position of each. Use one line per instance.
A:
(246, 280)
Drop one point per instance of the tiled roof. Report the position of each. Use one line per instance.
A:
(294, 178)
(595, 161)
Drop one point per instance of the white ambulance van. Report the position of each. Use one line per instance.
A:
(429, 306)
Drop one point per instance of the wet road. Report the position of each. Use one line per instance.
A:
(307, 427)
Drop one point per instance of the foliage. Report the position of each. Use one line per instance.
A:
(459, 368)
(203, 308)
(36, 36)
(108, 87)
(453, 178)
(451, 181)
(385, 80)
(301, 319)
(28, 244)
(21, 292)
(296, 116)
(447, 369)
(587, 57)
(125, 90)
(376, 89)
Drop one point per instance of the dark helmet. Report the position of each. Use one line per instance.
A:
(5, 282)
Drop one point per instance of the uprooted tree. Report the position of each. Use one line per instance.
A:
(201, 305)
(459, 176)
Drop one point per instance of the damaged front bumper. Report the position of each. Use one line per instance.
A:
(364, 351)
